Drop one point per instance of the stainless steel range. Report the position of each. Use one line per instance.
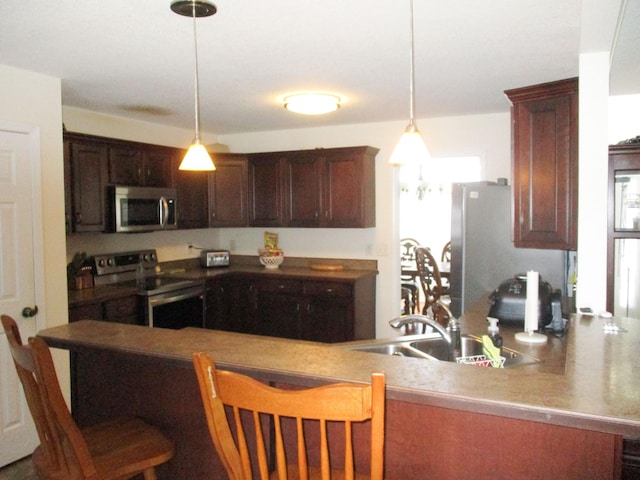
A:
(169, 302)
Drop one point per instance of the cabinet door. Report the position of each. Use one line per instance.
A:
(348, 198)
(124, 310)
(265, 190)
(623, 239)
(125, 166)
(303, 186)
(327, 314)
(545, 165)
(92, 311)
(193, 200)
(224, 305)
(278, 307)
(89, 176)
(68, 189)
(158, 167)
(228, 192)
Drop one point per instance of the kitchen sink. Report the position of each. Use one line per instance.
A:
(433, 347)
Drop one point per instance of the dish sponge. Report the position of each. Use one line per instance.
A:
(490, 350)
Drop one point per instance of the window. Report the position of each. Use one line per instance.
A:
(425, 198)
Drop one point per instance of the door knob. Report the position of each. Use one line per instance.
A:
(30, 312)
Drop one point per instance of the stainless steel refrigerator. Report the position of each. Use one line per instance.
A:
(482, 251)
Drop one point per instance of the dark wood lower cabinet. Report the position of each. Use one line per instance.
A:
(125, 309)
(302, 309)
(631, 459)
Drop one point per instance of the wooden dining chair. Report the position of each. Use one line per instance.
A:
(118, 449)
(446, 258)
(431, 282)
(293, 418)
(408, 257)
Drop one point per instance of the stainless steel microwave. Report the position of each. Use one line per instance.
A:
(141, 209)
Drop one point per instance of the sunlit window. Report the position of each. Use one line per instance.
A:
(425, 198)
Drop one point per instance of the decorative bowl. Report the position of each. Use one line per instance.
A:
(271, 262)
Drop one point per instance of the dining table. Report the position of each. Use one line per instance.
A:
(411, 270)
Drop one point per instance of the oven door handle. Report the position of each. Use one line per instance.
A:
(162, 299)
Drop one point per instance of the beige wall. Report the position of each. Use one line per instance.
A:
(31, 103)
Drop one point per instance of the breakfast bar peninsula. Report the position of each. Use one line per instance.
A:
(575, 414)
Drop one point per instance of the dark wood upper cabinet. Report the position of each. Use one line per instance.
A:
(348, 190)
(333, 187)
(545, 164)
(303, 189)
(136, 165)
(88, 176)
(228, 197)
(193, 198)
(265, 190)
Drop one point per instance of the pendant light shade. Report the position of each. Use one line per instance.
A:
(197, 158)
(411, 147)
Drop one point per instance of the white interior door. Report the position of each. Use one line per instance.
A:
(18, 436)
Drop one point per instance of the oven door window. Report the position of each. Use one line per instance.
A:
(186, 312)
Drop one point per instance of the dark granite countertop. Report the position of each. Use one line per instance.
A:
(588, 379)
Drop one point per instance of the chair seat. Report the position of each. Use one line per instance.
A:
(120, 448)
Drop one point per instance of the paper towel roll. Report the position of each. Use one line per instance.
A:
(531, 305)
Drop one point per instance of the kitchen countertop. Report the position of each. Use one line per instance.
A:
(190, 269)
(588, 379)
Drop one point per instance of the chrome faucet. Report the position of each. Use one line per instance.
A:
(451, 334)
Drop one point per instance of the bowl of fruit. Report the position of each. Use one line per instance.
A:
(271, 258)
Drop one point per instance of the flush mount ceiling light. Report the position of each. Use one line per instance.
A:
(312, 103)
(411, 147)
(197, 157)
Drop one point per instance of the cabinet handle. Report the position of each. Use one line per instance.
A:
(281, 286)
(78, 217)
(329, 290)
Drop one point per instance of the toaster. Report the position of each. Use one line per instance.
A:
(509, 299)
(214, 258)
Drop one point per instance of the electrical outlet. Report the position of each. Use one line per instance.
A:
(383, 250)
(232, 244)
(368, 250)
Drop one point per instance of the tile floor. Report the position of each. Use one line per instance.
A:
(20, 470)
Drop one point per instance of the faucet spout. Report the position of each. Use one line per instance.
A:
(410, 320)
(451, 337)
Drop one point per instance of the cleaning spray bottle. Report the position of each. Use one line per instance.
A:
(494, 333)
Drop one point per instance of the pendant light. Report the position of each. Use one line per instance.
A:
(197, 157)
(411, 147)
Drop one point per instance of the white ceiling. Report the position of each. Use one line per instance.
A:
(135, 58)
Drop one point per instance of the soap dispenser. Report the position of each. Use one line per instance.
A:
(494, 332)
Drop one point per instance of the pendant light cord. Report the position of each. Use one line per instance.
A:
(197, 86)
(412, 80)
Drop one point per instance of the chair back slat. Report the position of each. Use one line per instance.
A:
(341, 402)
(431, 282)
